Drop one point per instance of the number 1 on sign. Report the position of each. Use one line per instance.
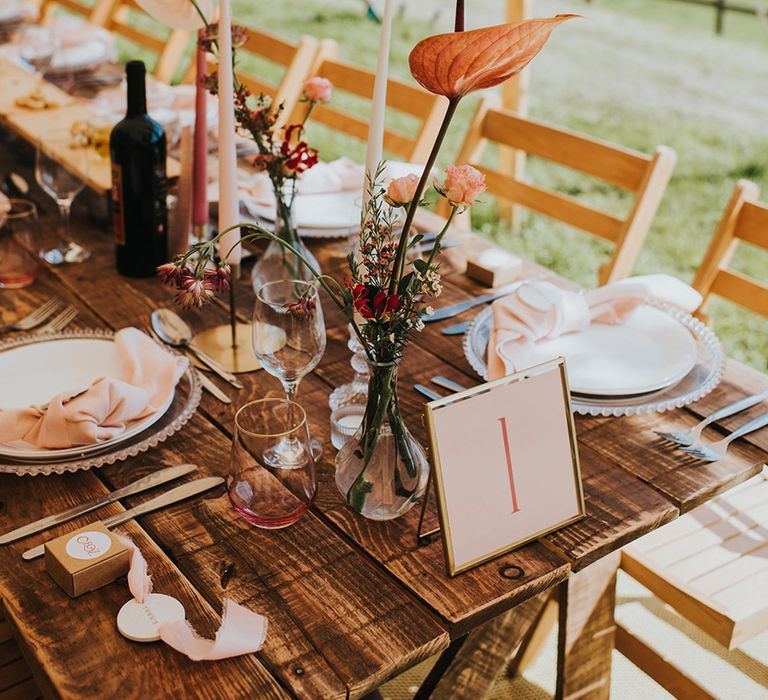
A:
(508, 456)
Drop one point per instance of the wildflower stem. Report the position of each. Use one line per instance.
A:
(398, 268)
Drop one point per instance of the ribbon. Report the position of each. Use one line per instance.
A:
(241, 631)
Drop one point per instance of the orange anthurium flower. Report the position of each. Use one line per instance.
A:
(458, 63)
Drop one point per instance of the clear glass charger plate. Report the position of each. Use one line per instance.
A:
(703, 378)
(183, 406)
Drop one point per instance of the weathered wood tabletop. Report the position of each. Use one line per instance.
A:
(351, 603)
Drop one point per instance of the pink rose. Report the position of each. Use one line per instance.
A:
(318, 90)
(401, 191)
(463, 185)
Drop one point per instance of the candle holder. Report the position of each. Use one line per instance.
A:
(356, 391)
(230, 344)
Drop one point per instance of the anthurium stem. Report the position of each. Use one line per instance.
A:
(399, 265)
(459, 27)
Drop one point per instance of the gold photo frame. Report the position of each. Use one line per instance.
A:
(493, 481)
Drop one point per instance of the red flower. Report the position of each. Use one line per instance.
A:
(372, 302)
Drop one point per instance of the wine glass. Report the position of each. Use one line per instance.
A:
(37, 46)
(19, 245)
(267, 492)
(289, 340)
(60, 168)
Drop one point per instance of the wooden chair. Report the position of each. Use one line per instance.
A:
(403, 97)
(745, 219)
(170, 49)
(297, 61)
(711, 566)
(95, 13)
(646, 176)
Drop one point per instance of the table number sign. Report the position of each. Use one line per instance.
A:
(505, 464)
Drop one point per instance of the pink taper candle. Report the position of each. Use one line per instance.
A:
(200, 214)
(228, 197)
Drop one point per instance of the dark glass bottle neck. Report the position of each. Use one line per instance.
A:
(137, 95)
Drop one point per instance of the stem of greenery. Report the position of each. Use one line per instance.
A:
(399, 264)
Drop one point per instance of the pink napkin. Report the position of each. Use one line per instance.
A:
(538, 310)
(148, 375)
(241, 631)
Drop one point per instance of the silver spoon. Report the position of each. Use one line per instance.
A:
(173, 330)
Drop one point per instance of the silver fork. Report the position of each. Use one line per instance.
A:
(38, 316)
(717, 450)
(692, 437)
(59, 322)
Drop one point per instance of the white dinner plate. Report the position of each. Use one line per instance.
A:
(650, 351)
(76, 58)
(33, 374)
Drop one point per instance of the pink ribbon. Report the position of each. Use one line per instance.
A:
(241, 632)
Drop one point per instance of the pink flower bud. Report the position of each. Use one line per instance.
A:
(463, 185)
(401, 191)
(318, 89)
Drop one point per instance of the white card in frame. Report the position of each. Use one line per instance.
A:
(505, 464)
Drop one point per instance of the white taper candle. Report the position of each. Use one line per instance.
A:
(379, 106)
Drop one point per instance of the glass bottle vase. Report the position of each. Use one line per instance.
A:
(382, 471)
(277, 262)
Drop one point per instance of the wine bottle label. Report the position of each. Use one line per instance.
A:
(117, 204)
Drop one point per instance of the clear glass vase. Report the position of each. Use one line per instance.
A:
(382, 471)
(277, 262)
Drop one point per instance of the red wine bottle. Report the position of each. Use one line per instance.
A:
(139, 210)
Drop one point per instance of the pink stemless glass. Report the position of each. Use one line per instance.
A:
(266, 491)
(19, 245)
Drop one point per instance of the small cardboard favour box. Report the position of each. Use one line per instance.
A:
(86, 559)
(494, 267)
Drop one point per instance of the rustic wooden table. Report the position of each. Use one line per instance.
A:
(351, 603)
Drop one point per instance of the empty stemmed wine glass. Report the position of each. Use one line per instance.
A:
(289, 340)
(56, 162)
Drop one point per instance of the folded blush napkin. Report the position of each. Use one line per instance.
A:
(538, 310)
(148, 375)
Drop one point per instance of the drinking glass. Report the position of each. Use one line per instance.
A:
(19, 245)
(60, 169)
(265, 491)
(289, 340)
(37, 46)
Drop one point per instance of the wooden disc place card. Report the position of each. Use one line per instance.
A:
(506, 466)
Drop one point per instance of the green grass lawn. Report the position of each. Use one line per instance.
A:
(636, 72)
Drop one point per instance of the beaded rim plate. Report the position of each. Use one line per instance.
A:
(183, 406)
(706, 374)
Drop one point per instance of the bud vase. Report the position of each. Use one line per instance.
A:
(277, 262)
(382, 471)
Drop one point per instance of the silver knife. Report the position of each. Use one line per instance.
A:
(457, 328)
(147, 482)
(213, 389)
(448, 384)
(456, 309)
(424, 391)
(168, 498)
(429, 246)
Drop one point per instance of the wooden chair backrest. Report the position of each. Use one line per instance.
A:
(404, 97)
(745, 219)
(169, 50)
(645, 176)
(297, 59)
(95, 13)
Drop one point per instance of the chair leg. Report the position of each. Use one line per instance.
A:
(653, 664)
